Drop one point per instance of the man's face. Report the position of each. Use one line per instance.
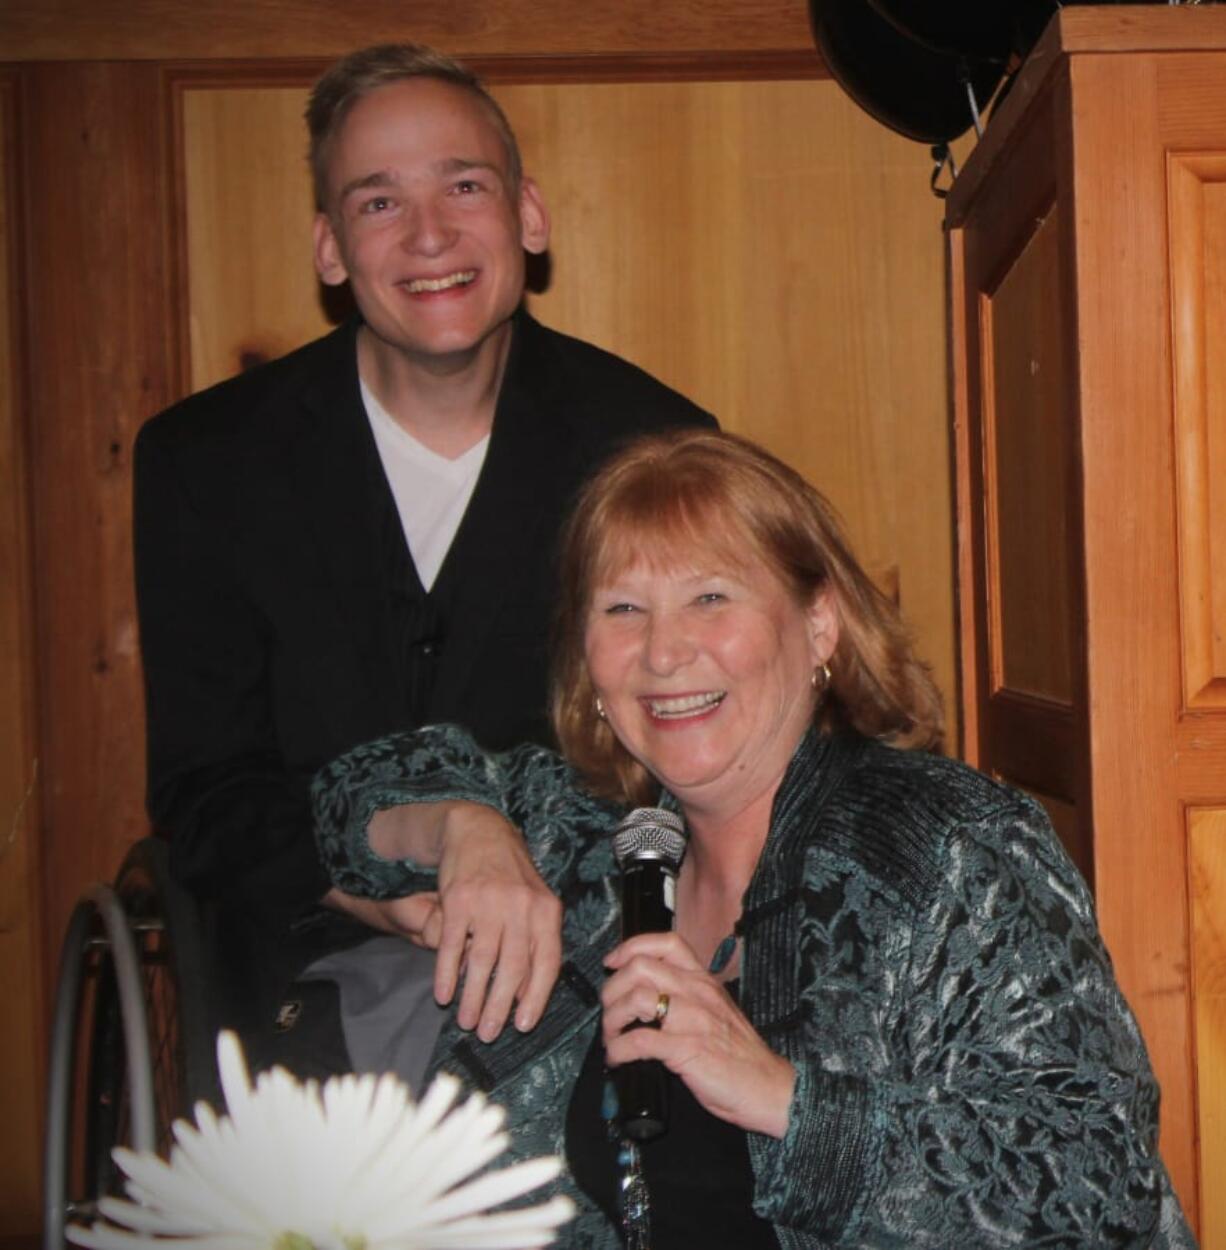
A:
(423, 221)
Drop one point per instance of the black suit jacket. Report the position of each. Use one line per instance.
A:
(267, 643)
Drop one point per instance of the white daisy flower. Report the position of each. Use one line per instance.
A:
(355, 1166)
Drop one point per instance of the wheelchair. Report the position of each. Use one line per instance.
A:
(131, 1048)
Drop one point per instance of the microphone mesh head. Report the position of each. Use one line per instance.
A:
(650, 833)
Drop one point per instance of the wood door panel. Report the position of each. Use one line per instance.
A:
(1019, 526)
(764, 247)
(1196, 193)
(1029, 441)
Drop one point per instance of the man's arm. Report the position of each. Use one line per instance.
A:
(239, 819)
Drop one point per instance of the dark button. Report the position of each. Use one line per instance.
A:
(430, 648)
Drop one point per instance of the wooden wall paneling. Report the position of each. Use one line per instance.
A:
(253, 291)
(21, 990)
(52, 30)
(1207, 856)
(637, 214)
(764, 247)
(776, 254)
(101, 351)
(1133, 660)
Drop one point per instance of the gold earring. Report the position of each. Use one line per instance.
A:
(824, 670)
(600, 708)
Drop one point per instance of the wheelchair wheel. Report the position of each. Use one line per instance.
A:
(108, 1111)
(181, 1039)
(131, 1043)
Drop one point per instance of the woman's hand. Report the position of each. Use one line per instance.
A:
(704, 1038)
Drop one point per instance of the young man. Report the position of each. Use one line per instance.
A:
(358, 538)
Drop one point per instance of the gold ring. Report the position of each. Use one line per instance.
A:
(661, 1007)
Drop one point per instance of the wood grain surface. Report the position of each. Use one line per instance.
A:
(100, 358)
(21, 983)
(1196, 184)
(50, 30)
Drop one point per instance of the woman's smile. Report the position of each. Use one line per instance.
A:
(683, 707)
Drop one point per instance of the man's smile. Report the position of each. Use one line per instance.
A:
(421, 286)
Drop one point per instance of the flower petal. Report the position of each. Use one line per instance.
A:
(355, 1161)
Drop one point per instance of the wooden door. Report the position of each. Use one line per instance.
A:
(1088, 249)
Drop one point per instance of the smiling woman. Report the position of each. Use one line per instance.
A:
(886, 1010)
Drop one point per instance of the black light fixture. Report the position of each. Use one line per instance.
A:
(980, 30)
(912, 86)
(925, 68)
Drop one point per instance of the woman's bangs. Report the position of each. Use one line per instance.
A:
(668, 532)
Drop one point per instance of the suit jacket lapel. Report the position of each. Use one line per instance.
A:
(524, 465)
(334, 465)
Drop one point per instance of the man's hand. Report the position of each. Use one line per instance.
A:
(404, 917)
(498, 924)
(494, 923)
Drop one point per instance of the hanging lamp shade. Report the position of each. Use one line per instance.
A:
(908, 62)
(954, 27)
(908, 84)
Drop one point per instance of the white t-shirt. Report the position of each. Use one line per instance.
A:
(431, 492)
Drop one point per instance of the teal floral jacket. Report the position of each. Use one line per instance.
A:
(916, 942)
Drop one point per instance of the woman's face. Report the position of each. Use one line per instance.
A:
(705, 675)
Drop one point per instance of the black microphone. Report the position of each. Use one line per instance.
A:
(649, 845)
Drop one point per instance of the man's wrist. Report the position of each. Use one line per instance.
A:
(422, 831)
